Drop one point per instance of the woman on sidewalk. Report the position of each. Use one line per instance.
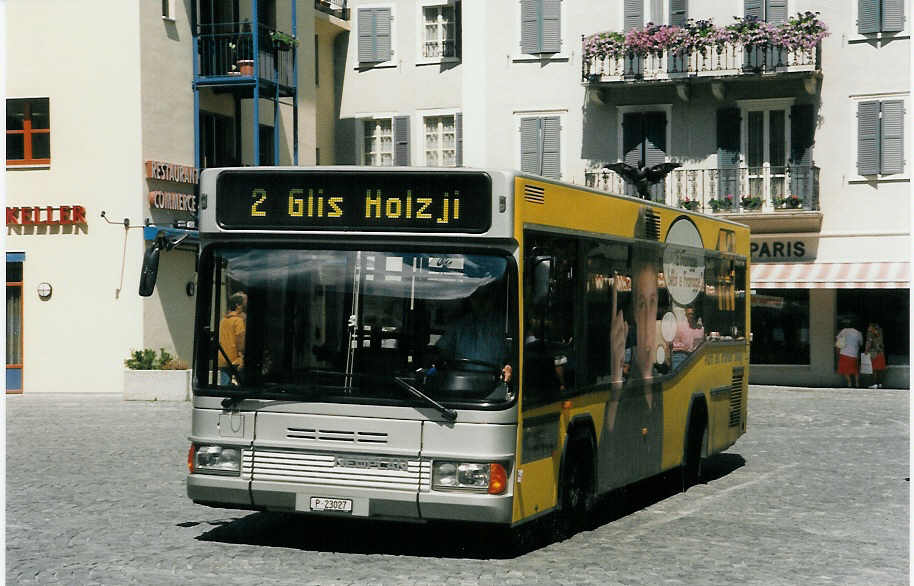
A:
(848, 343)
(875, 347)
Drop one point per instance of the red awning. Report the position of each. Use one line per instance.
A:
(831, 275)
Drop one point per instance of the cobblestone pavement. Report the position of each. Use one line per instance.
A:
(815, 493)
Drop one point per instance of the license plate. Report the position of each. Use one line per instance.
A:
(319, 503)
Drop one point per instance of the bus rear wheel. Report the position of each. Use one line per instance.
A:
(691, 466)
(577, 494)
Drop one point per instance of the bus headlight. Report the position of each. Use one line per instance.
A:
(474, 476)
(217, 460)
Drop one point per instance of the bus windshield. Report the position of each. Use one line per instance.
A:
(357, 325)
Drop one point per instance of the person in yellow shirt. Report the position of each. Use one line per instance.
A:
(231, 338)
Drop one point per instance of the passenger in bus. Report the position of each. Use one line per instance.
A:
(689, 335)
(476, 339)
(231, 338)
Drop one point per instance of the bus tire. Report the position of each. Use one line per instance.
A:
(695, 439)
(577, 490)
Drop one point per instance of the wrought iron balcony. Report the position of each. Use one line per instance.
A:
(226, 55)
(731, 59)
(337, 8)
(742, 190)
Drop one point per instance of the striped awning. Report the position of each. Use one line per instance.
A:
(831, 275)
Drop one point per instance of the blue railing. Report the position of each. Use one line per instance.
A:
(227, 53)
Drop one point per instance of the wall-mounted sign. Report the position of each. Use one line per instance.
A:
(45, 215)
(783, 249)
(164, 171)
(167, 200)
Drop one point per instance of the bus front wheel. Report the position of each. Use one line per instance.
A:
(577, 493)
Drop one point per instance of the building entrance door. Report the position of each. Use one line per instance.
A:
(14, 262)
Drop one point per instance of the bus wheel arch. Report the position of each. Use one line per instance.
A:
(577, 476)
(695, 443)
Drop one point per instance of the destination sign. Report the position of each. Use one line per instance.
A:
(420, 201)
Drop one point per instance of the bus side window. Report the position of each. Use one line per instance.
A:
(549, 318)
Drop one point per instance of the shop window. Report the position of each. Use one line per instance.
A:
(28, 131)
(887, 307)
(780, 326)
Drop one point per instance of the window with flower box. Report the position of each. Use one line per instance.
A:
(28, 131)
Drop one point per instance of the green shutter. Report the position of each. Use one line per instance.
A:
(458, 138)
(366, 35)
(776, 11)
(868, 138)
(382, 34)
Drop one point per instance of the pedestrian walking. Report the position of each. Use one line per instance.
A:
(875, 348)
(848, 344)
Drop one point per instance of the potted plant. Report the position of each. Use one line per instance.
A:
(155, 377)
(283, 41)
(689, 204)
(721, 204)
(750, 202)
(789, 202)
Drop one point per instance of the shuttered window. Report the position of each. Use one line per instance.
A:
(379, 146)
(440, 141)
(633, 15)
(541, 26)
(679, 12)
(874, 16)
(644, 144)
(374, 35)
(773, 11)
(540, 146)
(880, 137)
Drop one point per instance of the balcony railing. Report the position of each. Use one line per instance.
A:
(337, 8)
(730, 59)
(766, 189)
(231, 54)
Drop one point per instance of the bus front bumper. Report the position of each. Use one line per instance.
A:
(234, 492)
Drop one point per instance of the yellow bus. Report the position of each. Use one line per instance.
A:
(455, 344)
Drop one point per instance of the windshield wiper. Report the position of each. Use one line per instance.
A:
(448, 414)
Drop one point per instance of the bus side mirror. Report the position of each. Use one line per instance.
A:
(542, 275)
(150, 269)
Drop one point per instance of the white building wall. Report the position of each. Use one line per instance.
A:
(77, 339)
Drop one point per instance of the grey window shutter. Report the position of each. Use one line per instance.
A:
(529, 145)
(654, 138)
(892, 135)
(634, 14)
(529, 27)
(366, 35)
(382, 34)
(679, 12)
(802, 137)
(868, 16)
(552, 147)
(728, 131)
(632, 139)
(458, 138)
(753, 8)
(868, 138)
(892, 16)
(802, 134)
(776, 11)
(401, 141)
(655, 148)
(551, 40)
